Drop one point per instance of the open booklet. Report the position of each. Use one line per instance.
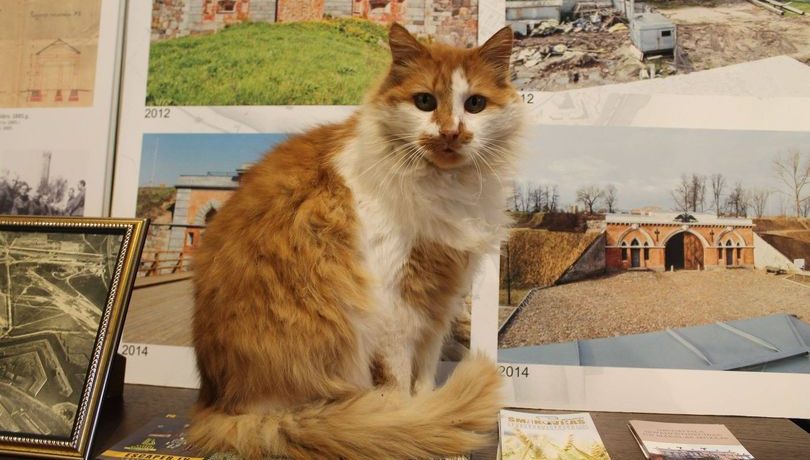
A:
(665, 441)
(530, 436)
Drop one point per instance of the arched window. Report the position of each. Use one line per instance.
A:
(624, 250)
(646, 251)
(210, 215)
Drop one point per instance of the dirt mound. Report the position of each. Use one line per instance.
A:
(540, 257)
(795, 246)
(556, 221)
(770, 224)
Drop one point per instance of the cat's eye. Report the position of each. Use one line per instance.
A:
(425, 102)
(475, 103)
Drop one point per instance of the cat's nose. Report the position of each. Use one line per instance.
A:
(449, 135)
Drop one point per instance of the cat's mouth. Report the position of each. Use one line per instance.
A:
(445, 157)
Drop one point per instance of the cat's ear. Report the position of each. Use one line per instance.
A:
(498, 50)
(404, 47)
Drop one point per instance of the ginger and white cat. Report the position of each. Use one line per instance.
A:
(325, 286)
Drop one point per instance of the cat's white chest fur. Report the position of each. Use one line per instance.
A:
(462, 211)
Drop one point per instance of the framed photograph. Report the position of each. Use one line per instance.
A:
(64, 288)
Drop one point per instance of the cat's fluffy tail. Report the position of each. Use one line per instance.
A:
(457, 418)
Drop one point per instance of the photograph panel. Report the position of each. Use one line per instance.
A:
(43, 183)
(184, 179)
(659, 248)
(287, 52)
(53, 291)
(572, 44)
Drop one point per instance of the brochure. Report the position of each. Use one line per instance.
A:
(529, 436)
(665, 441)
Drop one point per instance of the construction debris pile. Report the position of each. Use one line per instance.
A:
(593, 46)
(607, 19)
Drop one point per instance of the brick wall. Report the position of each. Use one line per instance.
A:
(178, 18)
(338, 8)
(300, 10)
(455, 21)
(449, 21)
(263, 10)
(704, 247)
(169, 18)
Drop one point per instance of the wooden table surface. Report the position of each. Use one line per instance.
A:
(765, 438)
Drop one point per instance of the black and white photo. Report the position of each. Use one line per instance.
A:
(63, 287)
(41, 184)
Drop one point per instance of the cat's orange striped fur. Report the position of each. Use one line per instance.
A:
(326, 284)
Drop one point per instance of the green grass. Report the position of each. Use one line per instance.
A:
(316, 62)
(801, 6)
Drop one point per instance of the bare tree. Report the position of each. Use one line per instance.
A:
(697, 192)
(690, 195)
(611, 198)
(793, 169)
(589, 195)
(806, 207)
(554, 199)
(759, 201)
(681, 195)
(738, 202)
(718, 184)
(517, 197)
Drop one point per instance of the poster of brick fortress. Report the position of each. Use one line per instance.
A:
(316, 52)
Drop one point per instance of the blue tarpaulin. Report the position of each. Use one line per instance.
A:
(777, 343)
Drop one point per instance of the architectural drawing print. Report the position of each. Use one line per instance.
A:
(49, 50)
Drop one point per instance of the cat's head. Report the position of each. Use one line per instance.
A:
(452, 107)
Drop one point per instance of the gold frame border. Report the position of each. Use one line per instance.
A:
(109, 333)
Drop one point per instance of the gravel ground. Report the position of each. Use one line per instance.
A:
(638, 302)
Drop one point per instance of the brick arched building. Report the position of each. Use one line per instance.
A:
(661, 241)
(452, 21)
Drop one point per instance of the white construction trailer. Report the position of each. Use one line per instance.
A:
(653, 33)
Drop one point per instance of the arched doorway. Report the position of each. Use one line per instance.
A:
(729, 254)
(635, 254)
(684, 250)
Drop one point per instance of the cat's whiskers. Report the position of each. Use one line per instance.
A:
(413, 159)
(387, 155)
(393, 171)
(486, 163)
(480, 176)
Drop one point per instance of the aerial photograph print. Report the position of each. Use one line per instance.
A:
(53, 290)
